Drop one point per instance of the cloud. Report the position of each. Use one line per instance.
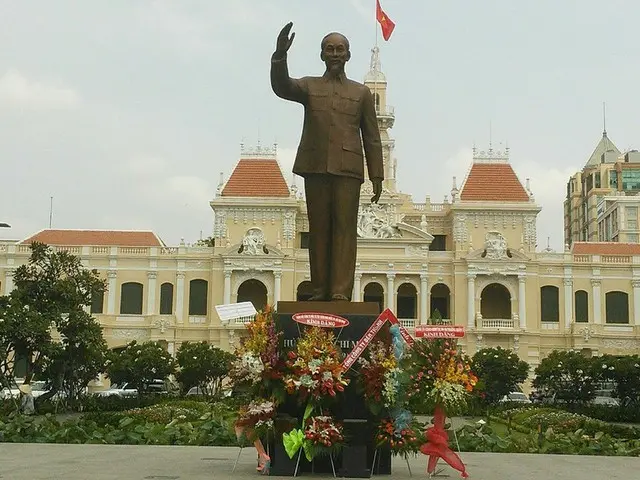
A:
(17, 90)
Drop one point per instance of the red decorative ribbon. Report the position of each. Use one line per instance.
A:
(437, 445)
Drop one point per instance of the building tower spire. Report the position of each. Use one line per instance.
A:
(376, 80)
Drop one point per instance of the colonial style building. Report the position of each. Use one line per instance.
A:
(473, 258)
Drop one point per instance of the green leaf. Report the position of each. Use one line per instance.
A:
(307, 412)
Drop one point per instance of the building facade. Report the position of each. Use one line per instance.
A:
(473, 258)
(591, 212)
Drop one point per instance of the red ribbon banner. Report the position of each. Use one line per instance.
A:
(363, 343)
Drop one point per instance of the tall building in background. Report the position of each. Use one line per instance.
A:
(602, 201)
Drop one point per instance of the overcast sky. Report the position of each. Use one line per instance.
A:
(126, 111)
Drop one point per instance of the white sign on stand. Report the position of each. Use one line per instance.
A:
(236, 312)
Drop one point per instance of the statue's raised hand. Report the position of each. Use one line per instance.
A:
(284, 41)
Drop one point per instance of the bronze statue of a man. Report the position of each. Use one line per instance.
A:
(339, 119)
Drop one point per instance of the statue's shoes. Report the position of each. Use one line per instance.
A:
(337, 297)
(318, 298)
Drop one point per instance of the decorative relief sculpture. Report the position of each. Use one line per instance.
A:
(495, 246)
(621, 344)
(374, 223)
(220, 225)
(129, 334)
(530, 231)
(288, 224)
(460, 231)
(162, 324)
(253, 243)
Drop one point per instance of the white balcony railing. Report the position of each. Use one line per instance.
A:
(498, 323)
(408, 322)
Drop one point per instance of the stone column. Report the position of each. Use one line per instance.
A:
(568, 302)
(111, 287)
(522, 301)
(227, 287)
(151, 292)
(391, 292)
(180, 297)
(8, 280)
(471, 300)
(277, 286)
(636, 301)
(424, 299)
(597, 301)
(356, 286)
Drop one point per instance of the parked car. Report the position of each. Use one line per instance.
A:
(128, 390)
(515, 397)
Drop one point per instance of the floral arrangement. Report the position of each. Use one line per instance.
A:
(401, 441)
(314, 368)
(256, 419)
(378, 380)
(320, 435)
(258, 363)
(323, 435)
(438, 373)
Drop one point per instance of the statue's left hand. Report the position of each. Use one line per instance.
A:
(377, 190)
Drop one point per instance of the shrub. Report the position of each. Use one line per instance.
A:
(499, 372)
(568, 376)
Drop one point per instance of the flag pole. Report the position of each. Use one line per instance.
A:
(376, 101)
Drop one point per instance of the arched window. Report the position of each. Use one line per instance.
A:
(166, 299)
(440, 300)
(549, 304)
(97, 303)
(581, 306)
(407, 301)
(304, 291)
(198, 292)
(373, 292)
(253, 291)
(131, 294)
(495, 302)
(617, 307)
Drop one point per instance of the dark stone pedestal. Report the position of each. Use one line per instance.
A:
(357, 457)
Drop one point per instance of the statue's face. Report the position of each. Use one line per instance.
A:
(335, 52)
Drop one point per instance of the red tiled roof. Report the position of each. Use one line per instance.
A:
(96, 237)
(493, 182)
(605, 248)
(259, 177)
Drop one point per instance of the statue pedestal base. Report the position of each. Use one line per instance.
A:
(360, 426)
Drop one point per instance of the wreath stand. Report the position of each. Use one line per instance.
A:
(295, 472)
(242, 444)
(375, 456)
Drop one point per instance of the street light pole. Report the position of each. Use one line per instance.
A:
(4, 225)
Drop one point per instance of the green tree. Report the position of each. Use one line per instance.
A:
(624, 371)
(78, 358)
(499, 372)
(49, 290)
(139, 365)
(436, 318)
(568, 376)
(203, 365)
(206, 242)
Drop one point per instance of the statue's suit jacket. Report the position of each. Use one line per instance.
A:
(335, 114)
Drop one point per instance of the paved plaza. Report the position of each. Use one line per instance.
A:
(122, 462)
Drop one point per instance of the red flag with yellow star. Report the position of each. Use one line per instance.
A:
(385, 22)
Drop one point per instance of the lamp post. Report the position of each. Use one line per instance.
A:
(4, 225)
